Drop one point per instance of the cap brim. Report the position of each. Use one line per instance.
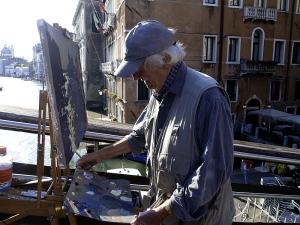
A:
(127, 68)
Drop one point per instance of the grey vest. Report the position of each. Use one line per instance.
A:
(175, 155)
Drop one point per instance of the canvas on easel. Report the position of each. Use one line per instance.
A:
(89, 194)
(65, 90)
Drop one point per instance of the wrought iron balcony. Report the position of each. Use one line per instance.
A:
(109, 24)
(256, 67)
(110, 67)
(257, 13)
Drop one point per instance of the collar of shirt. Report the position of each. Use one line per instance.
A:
(170, 80)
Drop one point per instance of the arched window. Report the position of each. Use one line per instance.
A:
(260, 3)
(255, 50)
(257, 44)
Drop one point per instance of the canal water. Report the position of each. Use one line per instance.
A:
(23, 146)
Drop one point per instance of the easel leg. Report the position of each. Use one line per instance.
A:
(72, 219)
(54, 220)
(41, 143)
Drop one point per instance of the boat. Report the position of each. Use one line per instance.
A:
(127, 171)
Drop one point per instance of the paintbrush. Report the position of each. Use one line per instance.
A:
(86, 163)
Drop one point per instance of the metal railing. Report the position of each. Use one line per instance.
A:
(253, 67)
(250, 206)
(110, 67)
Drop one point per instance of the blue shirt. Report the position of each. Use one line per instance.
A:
(214, 136)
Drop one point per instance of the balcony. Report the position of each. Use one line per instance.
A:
(110, 67)
(257, 13)
(257, 67)
(109, 24)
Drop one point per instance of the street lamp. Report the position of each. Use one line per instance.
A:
(244, 106)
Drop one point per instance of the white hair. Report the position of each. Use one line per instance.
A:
(176, 53)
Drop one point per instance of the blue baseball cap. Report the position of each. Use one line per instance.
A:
(146, 38)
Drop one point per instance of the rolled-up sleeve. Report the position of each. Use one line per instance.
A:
(136, 139)
(214, 135)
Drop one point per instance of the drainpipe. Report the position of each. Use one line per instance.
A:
(289, 54)
(221, 42)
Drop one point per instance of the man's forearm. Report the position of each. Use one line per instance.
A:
(119, 148)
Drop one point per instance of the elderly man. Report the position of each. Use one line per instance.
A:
(186, 128)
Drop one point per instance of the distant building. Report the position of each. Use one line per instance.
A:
(3, 63)
(22, 71)
(251, 47)
(90, 43)
(38, 62)
(10, 71)
(7, 52)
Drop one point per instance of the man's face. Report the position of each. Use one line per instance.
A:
(154, 78)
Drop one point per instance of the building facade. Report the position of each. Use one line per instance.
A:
(7, 52)
(38, 62)
(91, 51)
(251, 47)
(11, 65)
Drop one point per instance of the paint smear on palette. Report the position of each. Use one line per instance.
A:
(92, 201)
(111, 202)
(126, 199)
(116, 192)
(95, 188)
(118, 215)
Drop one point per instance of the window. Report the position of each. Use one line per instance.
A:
(231, 88)
(275, 90)
(233, 118)
(257, 45)
(298, 7)
(233, 52)
(209, 49)
(235, 3)
(279, 51)
(296, 53)
(291, 110)
(96, 23)
(143, 92)
(210, 2)
(297, 90)
(260, 3)
(255, 55)
(282, 5)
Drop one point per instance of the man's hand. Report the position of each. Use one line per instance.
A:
(153, 216)
(87, 161)
(150, 217)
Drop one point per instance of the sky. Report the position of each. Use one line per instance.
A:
(18, 21)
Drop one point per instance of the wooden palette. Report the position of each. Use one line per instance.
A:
(100, 198)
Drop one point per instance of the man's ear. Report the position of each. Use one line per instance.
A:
(166, 58)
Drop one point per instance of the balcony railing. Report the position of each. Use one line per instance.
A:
(255, 67)
(110, 67)
(256, 13)
(110, 23)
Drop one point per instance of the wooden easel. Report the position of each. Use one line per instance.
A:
(51, 205)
